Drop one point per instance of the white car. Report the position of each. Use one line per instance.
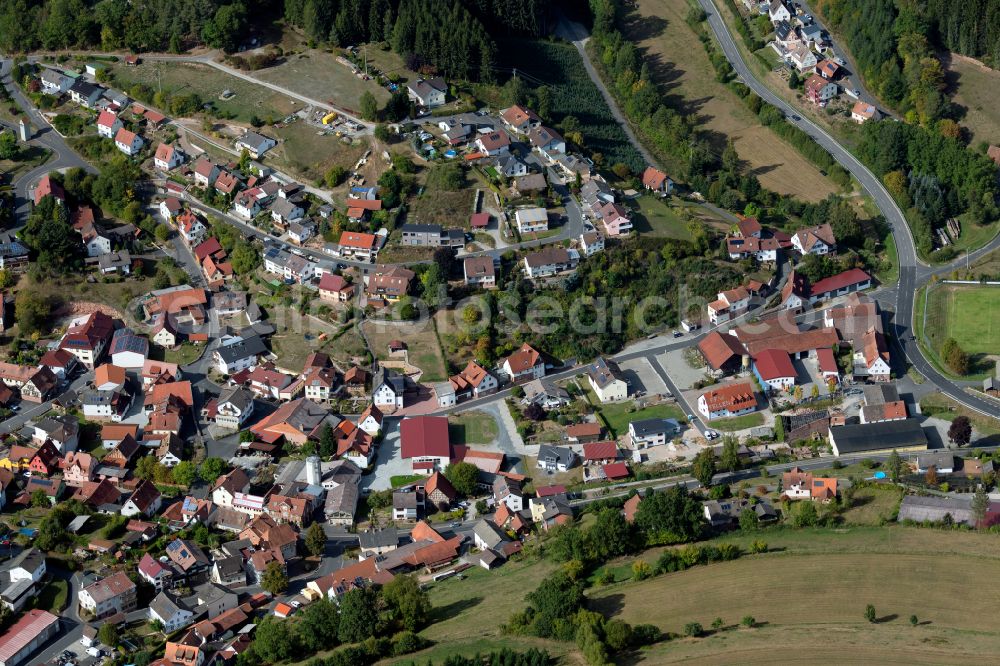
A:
(295, 604)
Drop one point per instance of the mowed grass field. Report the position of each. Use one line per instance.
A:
(810, 599)
(468, 613)
(473, 427)
(975, 88)
(682, 68)
(656, 217)
(969, 314)
(180, 78)
(421, 342)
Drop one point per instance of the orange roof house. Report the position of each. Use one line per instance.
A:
(108, 374)
(728, 400)
(656, 180)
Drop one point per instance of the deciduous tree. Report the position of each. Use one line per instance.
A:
(703, 467)
(315, 540)
(960, 430)
(407, 602)
(464, 477)
(274, 580)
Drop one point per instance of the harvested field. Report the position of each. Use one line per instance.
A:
(681, 66)
(974, 88)
(317, 75)
(825, 579)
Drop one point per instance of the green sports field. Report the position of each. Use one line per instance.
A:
(969, 314)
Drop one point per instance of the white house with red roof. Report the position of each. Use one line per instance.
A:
(524, 365)
(474, 381)
(363, 247)
(520, 119)
(840, 284)
(371, 420)
(424, 441)
(656, 181)
(795, 293)
(247, 203)
(205, 172)
(774, 369)
(167, 157)
(128, 142)
(191, 228)
(494, 143)
(108, 124)
(818, 240)
(872, 360)
(819, 90)
(87, 338)
(730, 303)
(170, 207)
(726, 401)
(153, 572)
(764, 250)
(863, 112)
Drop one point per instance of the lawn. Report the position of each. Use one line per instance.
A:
(292, 345)
(53, 596)
(975, 87)
(988, 264)
(27, 159)
(619, 414)
(891, 255)
(974, 236)
(401, 480)
(176, 78)
(183, 354)
(681, 66)
(811, 596)
(473, 427)
(657, 217)
(941, 406)
(559, 67)
(733, 423)
(422, 346)
(873, 506)
(968, 313)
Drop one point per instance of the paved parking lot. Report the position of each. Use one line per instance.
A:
(389, 460)
(677, 368)
(642, 377)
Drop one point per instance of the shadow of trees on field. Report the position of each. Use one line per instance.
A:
(442, 613)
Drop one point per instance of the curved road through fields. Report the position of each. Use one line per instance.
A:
(912, 271)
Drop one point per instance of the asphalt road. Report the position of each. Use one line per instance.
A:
(854, 81)
(63, 157)
(912, 271)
